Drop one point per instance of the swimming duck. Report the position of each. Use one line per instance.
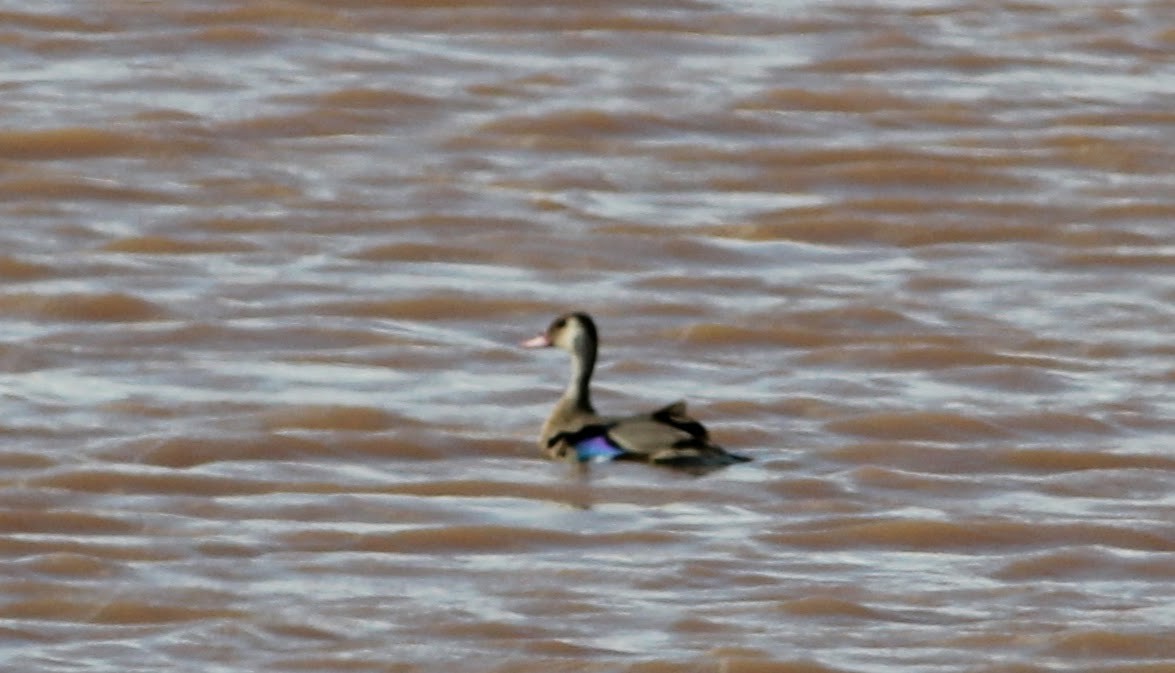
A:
(667, 436)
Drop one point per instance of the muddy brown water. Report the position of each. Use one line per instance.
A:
(264, 265)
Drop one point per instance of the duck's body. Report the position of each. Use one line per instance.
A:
(667, 436)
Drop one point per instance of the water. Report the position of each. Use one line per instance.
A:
(264, 267)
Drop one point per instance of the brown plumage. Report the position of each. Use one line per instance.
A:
(667, 436)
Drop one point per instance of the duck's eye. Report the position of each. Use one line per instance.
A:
(560, 323)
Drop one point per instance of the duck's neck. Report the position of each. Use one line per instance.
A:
(583, 361)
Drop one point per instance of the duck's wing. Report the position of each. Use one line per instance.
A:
(660, 436)
(669, 436)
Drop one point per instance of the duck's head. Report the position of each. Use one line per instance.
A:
(573, 332)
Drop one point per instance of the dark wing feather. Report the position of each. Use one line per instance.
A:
(676, 416)
(667, 436)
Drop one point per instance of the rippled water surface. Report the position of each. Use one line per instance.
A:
(264, 266)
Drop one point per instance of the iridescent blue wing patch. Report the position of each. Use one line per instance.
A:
(596, 449)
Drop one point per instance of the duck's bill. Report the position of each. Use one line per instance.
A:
(541, 341)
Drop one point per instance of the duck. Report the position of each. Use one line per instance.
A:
(667, 436)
